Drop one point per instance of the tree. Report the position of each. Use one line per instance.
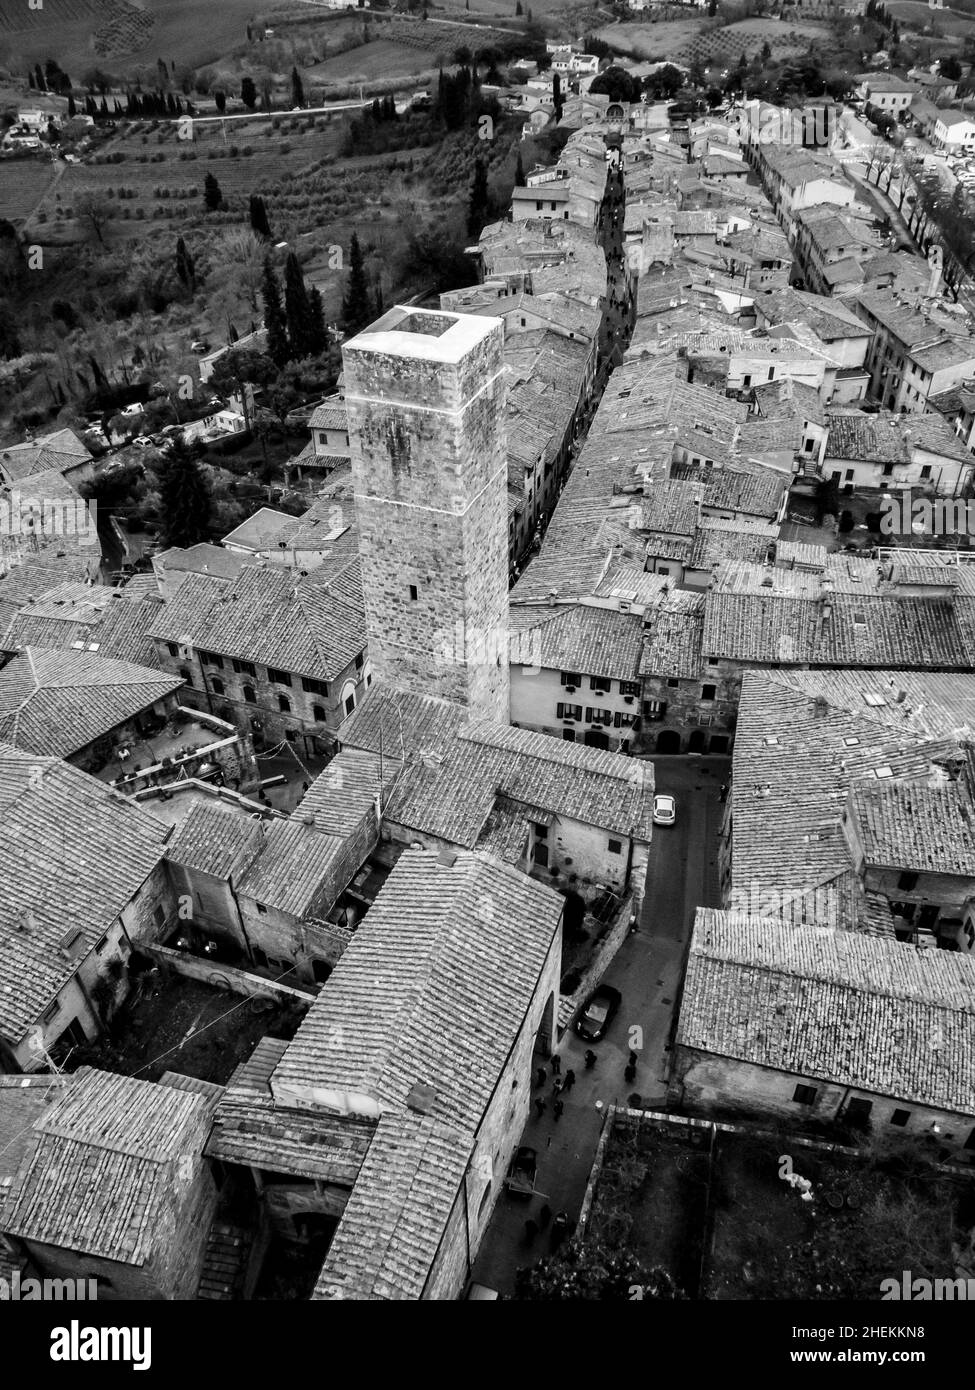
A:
(666, 82)
(237, 370)
(221, 101)
(258, 217)
(94, 208)
(557, 95)
(479, 203)
(950, 67)
(519, 172)
(185, 497)
(248, 93)
(319, 328)
(185, 268)
(278, 348)
(356, 307)
(297, 309)
(595, 1270)
(616, 84)
(297, 90)
(212, 197)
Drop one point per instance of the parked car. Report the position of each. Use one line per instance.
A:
(664, 810)
(598, 1012)
(521, 1172)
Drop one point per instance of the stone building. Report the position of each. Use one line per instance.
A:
(112, 1184)
(804, 1024)
(426, 395)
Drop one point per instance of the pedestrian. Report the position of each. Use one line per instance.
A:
(556, 1064)
(539, 1107)
(544, 1216)
(558, 1108)
(556, 1087)
(630, 1073)
(723, 793)
(531, 1230)
(591, 1059)
(541, 1075)
(570, 1080)
(559, 1226)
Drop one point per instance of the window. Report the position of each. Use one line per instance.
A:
(900, 1118)
(101, 943)
(926, 471)
(804, 1095)
(629, 687)
(907, 882)
(279, 677)
(185, 675)
(250, 695)
(615, 846)
(746, 379)
(601, 684)
(570, 678)
(211, 659)
(673, 683)
(540, 855)
(541, 831)
(708, 692)
(318, 712)
(565, 711)
(311, 687)
(414, 595)
(655, 709)
(261, 908)
(244, 668)
(358, 662)
(172, 648)
(216, 685)
(970, 1141)
(51, 1012)
(284, 704)
(350, 704)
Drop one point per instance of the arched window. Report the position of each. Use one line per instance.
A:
(249, 695)
(217, 686)
(284, 704)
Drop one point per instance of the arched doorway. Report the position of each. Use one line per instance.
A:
(668, 741)
(697, 741)
(596, 739)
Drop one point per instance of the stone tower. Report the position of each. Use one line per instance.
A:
(425, 393)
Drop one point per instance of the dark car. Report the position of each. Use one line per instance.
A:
(598, 1012)
(521, 1172)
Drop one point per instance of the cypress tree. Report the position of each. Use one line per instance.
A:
(278, 348)
(477, 208)
(297, 89)
(212, 197)
(185, 268)
(319, 329)
(519, 172)
(356, 308)
(258, 216)
(297, 309)
(185, 497)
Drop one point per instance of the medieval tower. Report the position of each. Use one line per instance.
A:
(425, 393)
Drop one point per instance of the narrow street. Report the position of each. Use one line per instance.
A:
(647, 970)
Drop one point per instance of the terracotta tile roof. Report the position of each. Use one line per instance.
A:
(58, 702)
(107, 1167)
(331, 414)
(889, 438)
(56, 452)
(594, 641)
(212, 839)
(672, 644)
(394, 1224)
(852, 1010)
(930, 829)
(313, 626)
(294, 869)
(432, 989)
(75, 853)
(248, 1128)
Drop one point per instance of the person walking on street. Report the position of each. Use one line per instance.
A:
(539, 1107)
(556, 1064)
(558, 1108)
(591, 1060)
(540, 1076)
(723, 793)
(570, 1080)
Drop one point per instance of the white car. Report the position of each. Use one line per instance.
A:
(664, 810)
